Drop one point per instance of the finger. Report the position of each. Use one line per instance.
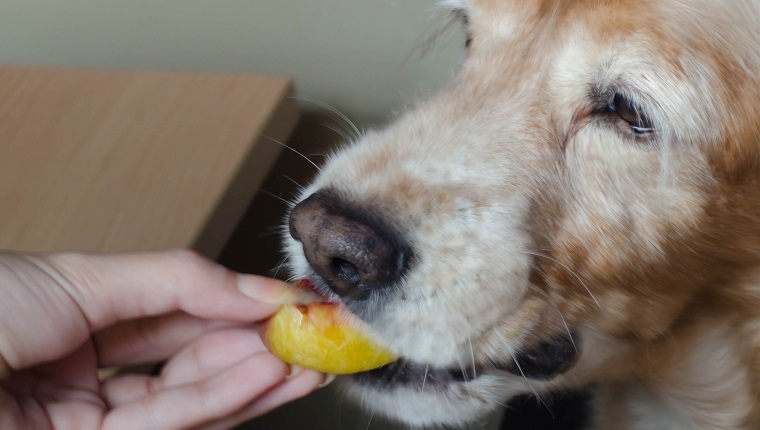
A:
(125, 389)
(149, 340)
(212, 353)
(292, 389)
(39, 321)
(70, 296)
(110, 288)
(191, 405)
(209, 355)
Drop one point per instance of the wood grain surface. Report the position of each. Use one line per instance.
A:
(111, 161)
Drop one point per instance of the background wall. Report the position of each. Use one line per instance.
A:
(364, 57)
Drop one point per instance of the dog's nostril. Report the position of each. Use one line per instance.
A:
(345, 271)
(353, 253)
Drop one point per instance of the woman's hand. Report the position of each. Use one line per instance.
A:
(64, 316)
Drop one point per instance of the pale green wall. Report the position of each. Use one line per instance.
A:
(358, 55)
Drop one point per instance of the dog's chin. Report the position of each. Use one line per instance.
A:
(422, 395)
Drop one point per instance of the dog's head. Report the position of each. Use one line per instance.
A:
(591, 173)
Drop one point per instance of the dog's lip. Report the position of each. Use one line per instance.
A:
(314, 284)
(544, 361)
(547, 359)
(405, 372)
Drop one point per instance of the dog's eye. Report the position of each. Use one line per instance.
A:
(629, 112)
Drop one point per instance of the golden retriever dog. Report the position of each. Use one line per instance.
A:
(580, 207)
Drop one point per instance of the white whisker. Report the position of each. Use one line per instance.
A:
(569, 333)
(286, 201)
(424, 378)
(271, 231)
(467, 378)
(282, 263)
(337, 131)
(292, 149)
(300, 187)
(335, 111)
(464, 367)
(472, 355)
(562, 317)
(517, 363)
(370, 420)
(568, 271)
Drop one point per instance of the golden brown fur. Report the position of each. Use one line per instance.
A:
(533, 210)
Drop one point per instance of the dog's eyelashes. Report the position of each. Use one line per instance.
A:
(468, 32)
(461, 15)
(631, 113)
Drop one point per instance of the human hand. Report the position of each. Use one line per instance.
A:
(64, 316)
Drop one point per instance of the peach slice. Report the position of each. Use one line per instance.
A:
(324, 337)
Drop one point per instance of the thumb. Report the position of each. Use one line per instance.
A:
(54, 302)
(111, 288)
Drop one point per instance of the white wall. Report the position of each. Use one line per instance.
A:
(361, 56)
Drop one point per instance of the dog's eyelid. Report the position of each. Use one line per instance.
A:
(462, 15)
(454, 15)
(630, 111)
(625, 108)
(455, 6)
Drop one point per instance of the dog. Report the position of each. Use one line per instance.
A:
(579, 208)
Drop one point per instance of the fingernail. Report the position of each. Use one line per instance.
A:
(329, 378)
(276, 292)
(295, 370)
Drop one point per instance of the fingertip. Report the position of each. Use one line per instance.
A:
(295, 370)
(272, 364)
(306, 382)
(327, 379)
(273, 291)
(264, 368)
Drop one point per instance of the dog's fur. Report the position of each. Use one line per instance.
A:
(533, 209)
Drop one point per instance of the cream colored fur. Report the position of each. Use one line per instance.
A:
(530, 212)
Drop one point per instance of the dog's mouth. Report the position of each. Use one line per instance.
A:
(543, 362)
(406, 373)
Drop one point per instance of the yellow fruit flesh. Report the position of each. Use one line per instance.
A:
(320, 337)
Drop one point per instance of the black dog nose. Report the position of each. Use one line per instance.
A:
(352, 252)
